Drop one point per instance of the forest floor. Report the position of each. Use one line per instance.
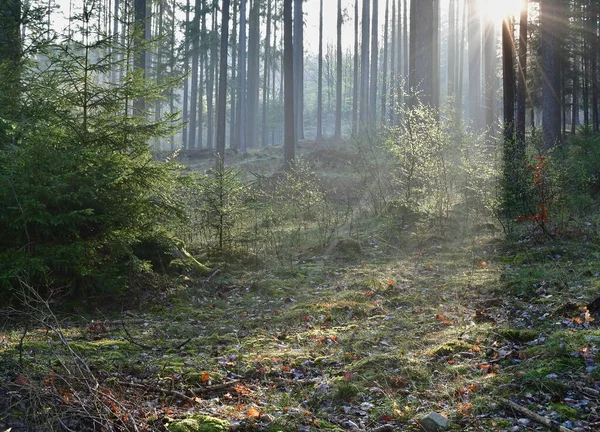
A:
(468, 326)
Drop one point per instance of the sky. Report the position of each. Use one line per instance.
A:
(493, 8)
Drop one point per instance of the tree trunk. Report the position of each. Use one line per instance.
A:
(253, 74)
(222, 103)
(241, 106)
(234, 88)
(392, 84)
(210, 85)
(298, 44)
(186, 71)
(195, 35)
(452, 47)
(372, 109)
(140, 54)
(422, 49)
(508, 85)
(550, 50)
(356, 76)
(474, 34)
(266, 75)
(489, 88)
(522, 91)
(385, 65)
(10, 60)
(288, 54)
(364, 69)
(338, 84)
(320, 77)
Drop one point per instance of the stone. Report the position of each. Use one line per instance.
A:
(434, 422)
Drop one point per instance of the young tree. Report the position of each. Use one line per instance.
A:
(222, 103)
(288, 61)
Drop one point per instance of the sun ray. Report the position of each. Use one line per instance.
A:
(498, 9)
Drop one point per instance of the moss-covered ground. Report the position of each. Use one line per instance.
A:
(379, 336)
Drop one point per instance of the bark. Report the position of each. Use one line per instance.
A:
(140, 54)
(338, 85)
(241, 106)
(392, 85)
(234, 88)
(421, 74)
(10, 61)
(550, 49)
(474, 34)
(298, 44)
(195, 36)
(253, 74)
(288, 54)
(364, 69)
(211, 83)
(320, 77)
(489, 88)
(372, 109)
(508, 85)
(222, 103)
(385, 65)
(452, 47)
(266, 75)
(522, 91)
(356, 76)
(186, 70)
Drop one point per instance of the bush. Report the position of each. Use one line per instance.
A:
(78, 185)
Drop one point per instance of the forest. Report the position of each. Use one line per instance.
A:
(299, 215)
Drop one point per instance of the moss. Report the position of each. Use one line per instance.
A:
(519, 335)
(452, 347)
(565, 411)
(199, 423)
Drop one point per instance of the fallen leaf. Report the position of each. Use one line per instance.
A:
(253, 413)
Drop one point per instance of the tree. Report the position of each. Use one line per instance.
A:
(10, 60)
(474, 35)
(241, 106)
(364, 66)
(522, 89)
(222, 103)
(288, 62)
(298, 43)
(551, 35)
(385, 64)
(421, 74)
(195, 37)
(374, 63)
(253, 73)
(508, 72)
(186, 70)
(320, 77)
(338, 84)
(140, 34)
(355, 85)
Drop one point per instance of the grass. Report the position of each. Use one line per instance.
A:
(405, 325)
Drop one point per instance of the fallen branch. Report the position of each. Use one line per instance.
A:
(155, 389)
(550, 424)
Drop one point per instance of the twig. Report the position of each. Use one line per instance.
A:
(180, 346)
(550, 424)
(132, 340)
(155, 389)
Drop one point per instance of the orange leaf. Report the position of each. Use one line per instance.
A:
(253, 413)
(387, 417)
(440, 317)
(205, 377)
(348, 376)
(475, 348)
(390, 283)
